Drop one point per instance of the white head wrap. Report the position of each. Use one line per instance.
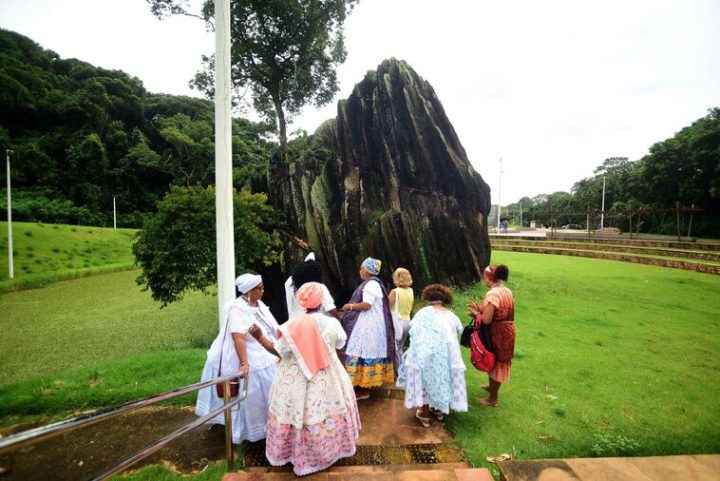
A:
(247, 282)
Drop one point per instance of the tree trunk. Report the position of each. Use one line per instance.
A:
(282, 134)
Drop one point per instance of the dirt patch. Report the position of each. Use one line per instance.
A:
(85, 452)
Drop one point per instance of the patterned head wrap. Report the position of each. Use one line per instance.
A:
(372, 265)
(247, 282)
(310, 295)
(489, 272)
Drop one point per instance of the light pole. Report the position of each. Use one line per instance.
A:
(11, 270)
(602, 213)
(500, 172)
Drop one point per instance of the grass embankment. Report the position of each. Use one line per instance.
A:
(44, 253)
(612, 358)
(96, 341)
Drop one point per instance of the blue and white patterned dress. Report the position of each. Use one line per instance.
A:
(432, 371)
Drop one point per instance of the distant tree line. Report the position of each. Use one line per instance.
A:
(82, 135)
(683, 170)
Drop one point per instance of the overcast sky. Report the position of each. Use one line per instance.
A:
(551, 87)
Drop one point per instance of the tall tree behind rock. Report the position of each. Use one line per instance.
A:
(388, 178)
(284, 51)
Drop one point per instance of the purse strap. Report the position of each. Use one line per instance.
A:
(222, 346)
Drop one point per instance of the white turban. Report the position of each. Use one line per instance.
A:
(247, 282)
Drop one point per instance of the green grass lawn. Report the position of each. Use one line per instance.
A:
(47, 252)
(612, 358)
(87, 321)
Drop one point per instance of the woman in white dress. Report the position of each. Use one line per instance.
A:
(313, 418)
(367, 320)
(432, 371)
(233, 350)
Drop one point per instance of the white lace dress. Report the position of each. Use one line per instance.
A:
(432, 371)
(312, 423)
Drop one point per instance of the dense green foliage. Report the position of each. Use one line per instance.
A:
(176, 248)
(83, 135)
(683, 169)
(284, 51)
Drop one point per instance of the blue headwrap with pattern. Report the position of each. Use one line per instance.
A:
(372, 265)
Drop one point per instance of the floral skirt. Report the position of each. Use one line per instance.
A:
(314, 447)
(370, 372)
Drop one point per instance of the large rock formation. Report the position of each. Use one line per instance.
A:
(387, 178)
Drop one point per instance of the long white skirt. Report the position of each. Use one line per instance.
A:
(250, 419)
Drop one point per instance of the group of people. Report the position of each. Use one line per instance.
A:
(308, 374)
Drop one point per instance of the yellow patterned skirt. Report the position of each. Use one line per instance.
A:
(370, 372)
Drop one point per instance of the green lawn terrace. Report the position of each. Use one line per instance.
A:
(46, 252)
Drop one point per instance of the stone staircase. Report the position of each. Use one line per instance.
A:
(698, 257)
(392, 447)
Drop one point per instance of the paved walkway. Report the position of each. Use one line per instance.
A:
(392, 447)
(655, 468)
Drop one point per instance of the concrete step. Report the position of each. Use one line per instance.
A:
(446, 472)
(652, 468)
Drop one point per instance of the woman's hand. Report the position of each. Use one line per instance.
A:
(255, 331)
(474, 309)
(356, 306)
(244, 369)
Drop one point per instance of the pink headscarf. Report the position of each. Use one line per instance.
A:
(310, 295)
(303, 334)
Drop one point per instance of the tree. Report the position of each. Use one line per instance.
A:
(176, 248)
(284, 51)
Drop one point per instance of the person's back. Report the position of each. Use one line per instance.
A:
(401, 300)
(405, 298)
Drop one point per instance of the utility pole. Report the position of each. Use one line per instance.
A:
(521, 224)
(114, 214)
(500, 173)
(11, 270)
(602, 213)
(225, 240)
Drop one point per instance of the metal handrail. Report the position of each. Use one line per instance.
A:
(32, 436)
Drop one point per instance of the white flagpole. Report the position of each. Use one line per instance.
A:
(223, 159)
(11, 267)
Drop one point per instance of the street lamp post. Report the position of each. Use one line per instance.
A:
(11, 270)
(500, 172)
(602, 210)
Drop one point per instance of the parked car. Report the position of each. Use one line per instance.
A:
(572, 226)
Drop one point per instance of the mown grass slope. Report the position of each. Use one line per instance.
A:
(47, 252)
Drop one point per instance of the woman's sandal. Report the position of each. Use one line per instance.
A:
(439, 415)
(487, 402)
(423, 420)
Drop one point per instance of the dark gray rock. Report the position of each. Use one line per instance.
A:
(387, 178)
